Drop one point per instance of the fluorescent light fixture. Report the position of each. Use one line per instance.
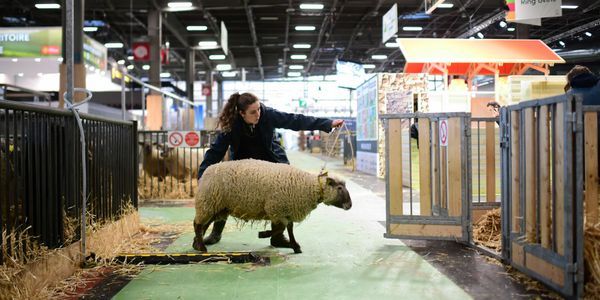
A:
(130, 57)
(130, 67)
(301, 46)
(40, 74)
(224, 67)
(502, 24)
(445, 5)
(480, 35)
(121, 61)
(208, 43)
(165, 75)
(412, 28)
(229, 74)
(294, 74)
(511, 29)
(60, 59)
(39, 59)
(379, 56)
(184, 4)
(168, 44)
(217, 57)
(91, 68)
(20, 74)
(146, 67)
(368, 66)
(472, 38)
(311, 6)
(296, 67)
(305, 28)
(15, 60)
(561, 43)
(298, 56)
(269, 18)
(113, 45)
(196, 28)
(47, 6)
(392, 45)
(588, 33)
(569, 6)
(90, 29)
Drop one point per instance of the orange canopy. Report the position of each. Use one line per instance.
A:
(459, 55)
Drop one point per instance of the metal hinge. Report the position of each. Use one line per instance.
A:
(467, 130)
(574, 121)
(572, 269)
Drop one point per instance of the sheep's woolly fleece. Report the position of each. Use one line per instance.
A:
(258, 190)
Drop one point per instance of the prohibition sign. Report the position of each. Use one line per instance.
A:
(175, 139)
(444, 132)
(192, 139)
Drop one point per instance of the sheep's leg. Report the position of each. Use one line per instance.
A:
(277, 237)
(215, 235)
(293, 244)
(198, 244)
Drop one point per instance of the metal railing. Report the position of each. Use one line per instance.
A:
(40, 170)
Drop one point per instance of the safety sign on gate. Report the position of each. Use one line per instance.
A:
(444, 132)
(187, 139)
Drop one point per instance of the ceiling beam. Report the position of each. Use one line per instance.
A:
(286, 47)
(252, 28)
(372, 13)
(488, 20)
(322, 30)
(572, 31)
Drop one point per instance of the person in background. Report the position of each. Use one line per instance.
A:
(581, 80)
(248, 130)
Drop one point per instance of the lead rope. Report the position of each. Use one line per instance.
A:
(330, 151)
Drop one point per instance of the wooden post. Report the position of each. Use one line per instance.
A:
(559, 171)
(454, 167)
(530, 177)
(490, 161)
(515, 168)
(591, 167)
(424, 167)
(544, 182)
(395, 165)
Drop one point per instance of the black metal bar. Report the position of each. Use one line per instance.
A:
(479, 160)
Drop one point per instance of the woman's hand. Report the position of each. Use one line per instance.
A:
(337, 123)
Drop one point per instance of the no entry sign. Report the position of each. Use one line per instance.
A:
(444, 132)
(188, 139)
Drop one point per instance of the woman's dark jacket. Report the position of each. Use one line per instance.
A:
(269, 120)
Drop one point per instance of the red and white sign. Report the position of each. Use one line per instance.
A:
(141, 51)
(184, 139)
(444, 132)
(206, 90)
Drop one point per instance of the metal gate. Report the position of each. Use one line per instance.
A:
(542, 187)
(437, 148)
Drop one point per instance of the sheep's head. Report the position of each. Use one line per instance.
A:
(336, 194)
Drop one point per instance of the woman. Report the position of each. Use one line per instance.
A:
(248, 129)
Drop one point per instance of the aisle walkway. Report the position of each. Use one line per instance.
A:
(345, 257)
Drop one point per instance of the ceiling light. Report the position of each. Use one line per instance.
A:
(298, 56)
(60, 59)
(146, 67)
(301, 46)
(412, 28)
(180, 4)
(569, 6)
(588, 33)
(269, 18)
(91, 68)
(311, 6)
(224, 67)
(130, 57)
(103, 73)
(130, 67)
(90, 29)
(20, 74)
(296, 67)
(392, 45)
(480, 35)
(196, 28)
(369, 66)
(472, 38)
(47, 6)
(217, 57)
(121, 62)
(39, 59)
(40, 74)
(445, 5)
(15, 60)
(113, 45)
(305, 28)
(511, 29)
(208, 43)
(165, 75)
(379, 56)
(294, 74)
(561, 43)
(229, 74)
(502, 24)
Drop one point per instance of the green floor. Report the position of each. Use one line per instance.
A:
(345, 257)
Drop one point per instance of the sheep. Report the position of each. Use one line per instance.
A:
(259, 190)
(182, 164)
(153, 162)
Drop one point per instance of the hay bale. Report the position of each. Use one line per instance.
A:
(592, 261)
(170, 188)
(488, 230)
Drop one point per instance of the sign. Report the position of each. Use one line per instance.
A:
(349, 74)
(94, 53)
(224, 38)
(206, 90)
(444, 132)
(187, 139)
(431, 5)
(531, 11)
(141, 51)
(390, 23)
(30, 41)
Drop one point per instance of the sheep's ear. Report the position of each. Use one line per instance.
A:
(331, 181)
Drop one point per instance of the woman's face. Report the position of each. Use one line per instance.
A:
(252, 113)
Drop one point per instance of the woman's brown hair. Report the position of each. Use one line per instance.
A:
(577, 70)
(236, 102)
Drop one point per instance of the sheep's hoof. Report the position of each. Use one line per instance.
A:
(280, 241)
(199, 246)
(264, 234)
(297, 250)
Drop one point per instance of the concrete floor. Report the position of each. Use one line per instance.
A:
(344, 257)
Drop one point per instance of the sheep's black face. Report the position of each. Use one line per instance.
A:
(342, 198)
